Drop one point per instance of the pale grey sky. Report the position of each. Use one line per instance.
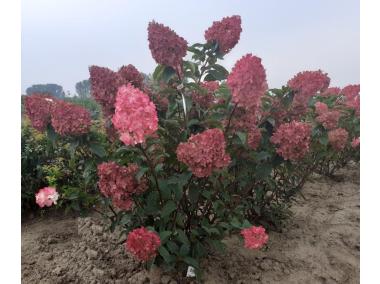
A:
(61, 38)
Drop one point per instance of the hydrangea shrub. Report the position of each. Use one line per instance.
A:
(198, 152)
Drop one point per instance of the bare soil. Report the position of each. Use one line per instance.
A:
(319, 245)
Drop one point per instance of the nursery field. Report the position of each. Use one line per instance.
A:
(320, 244)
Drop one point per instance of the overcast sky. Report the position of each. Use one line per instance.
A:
(61, 38)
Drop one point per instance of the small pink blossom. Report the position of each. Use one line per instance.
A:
(355, 142)
(143, 244)
(47, 196)
(225, 32)
(135, 115)
(254, 237)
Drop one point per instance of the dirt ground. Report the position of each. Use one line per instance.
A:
(320, 245)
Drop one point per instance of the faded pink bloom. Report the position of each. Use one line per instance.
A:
(205, 100)
(254, 237)
(143, 244)
(47, 196)
(292, 140)
(129, 74)
(332, 91)
(321, 108)
(38, 108)
(135, 115)
(119, 183)
(225, 32)
(70, 119)
(355, 142)
(247, 82)
(338, 138)
(166, 46)
(352, 97)
(328, 118)
(104, 85)
(307, 84)
(254, 138)
(204, 152)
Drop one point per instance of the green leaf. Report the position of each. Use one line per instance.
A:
(191, 261)
(169, 207)
(165, 254)
(164, 236)
(242, 136)
(157, 74)
(182, 237)
(98, 150)
(184, 250)
(173, 247)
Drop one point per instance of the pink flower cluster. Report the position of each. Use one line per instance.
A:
(225, 32)
(47, 196)
(338, 138)
(135, 115)
(204, 152)
(328, 118)
(129, 74)
(38, 108)
(254, 237)
(306, 84)
(292, 140)
(166, 46)
(143, 244)
(333, 91)
(247, 82)
(254, 138)
(70, 119)
(355, 142)
(352, 97)
(119, 183)
(206, 100)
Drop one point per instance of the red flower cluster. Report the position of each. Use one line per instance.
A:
(292, 139)
(254, 237)
(328, 118)
(166, 46)
(70, 119)
(38, 108)
(306, 84)
(355, 142)
(143, 244)
(338, 138)
(225, 32)
(129, 74)
(247, 81)
(104, 85)
(119, 183)
(352, 97)
(135, 115)
(254, 138)
(204, 152)
(333, 91)
(206, 100)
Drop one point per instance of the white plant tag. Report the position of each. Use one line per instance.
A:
(190, 272)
